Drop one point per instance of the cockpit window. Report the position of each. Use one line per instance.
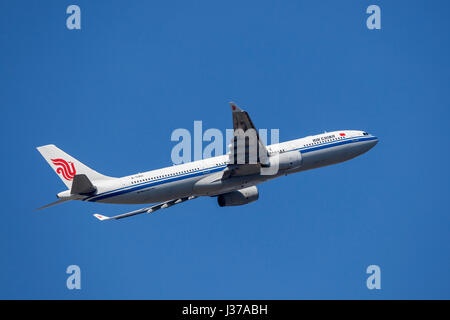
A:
(365, 133)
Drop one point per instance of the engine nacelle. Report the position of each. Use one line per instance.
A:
(286, 160)
(238, 197)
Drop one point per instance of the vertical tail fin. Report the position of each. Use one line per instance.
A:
(66, 166)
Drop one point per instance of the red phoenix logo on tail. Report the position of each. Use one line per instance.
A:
(67, 171)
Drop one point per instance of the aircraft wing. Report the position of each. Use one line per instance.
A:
(151, 209)
(247, 152)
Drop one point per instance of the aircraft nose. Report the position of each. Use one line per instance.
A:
(368, 144)
(373, 142)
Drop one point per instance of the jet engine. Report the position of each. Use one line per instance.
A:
(238, 197)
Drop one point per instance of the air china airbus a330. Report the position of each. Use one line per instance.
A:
(232, 178)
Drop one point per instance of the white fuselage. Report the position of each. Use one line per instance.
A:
(198, 178)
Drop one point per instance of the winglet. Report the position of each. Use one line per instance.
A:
(234, 107)
(100, 217)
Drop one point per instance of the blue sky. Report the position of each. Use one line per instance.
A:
(111, 94)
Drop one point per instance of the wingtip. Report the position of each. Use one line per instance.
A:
(234, 107)
(101, 217)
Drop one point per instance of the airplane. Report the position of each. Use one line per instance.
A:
(232, 178)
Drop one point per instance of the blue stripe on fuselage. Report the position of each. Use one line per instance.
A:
(147, 184)
(336, 143)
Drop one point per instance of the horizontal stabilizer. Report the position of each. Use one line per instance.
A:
(54, 203)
